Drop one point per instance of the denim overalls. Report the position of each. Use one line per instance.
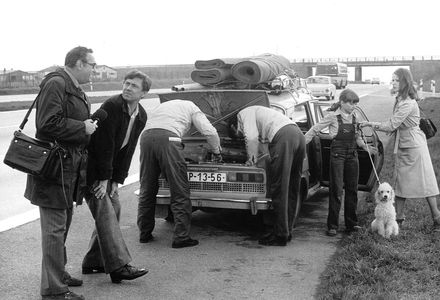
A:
(344, 174)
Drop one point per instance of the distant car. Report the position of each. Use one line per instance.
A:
(375, 80)
(321, 86)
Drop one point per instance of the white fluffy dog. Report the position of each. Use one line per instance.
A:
(385, 222)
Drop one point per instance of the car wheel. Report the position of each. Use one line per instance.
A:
(328, 97)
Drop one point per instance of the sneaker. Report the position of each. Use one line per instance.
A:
(64, 296)
(332, 232)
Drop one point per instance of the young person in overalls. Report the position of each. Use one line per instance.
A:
(344, 164)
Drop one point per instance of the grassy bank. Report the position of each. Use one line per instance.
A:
(367, 266)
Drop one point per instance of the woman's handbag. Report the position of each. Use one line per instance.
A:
(426, 125)
(34, 156)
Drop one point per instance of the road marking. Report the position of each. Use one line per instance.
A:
(34, 214)
(20, 219)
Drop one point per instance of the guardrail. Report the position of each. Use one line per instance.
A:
(366, 59)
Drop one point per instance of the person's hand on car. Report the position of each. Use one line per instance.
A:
(217, 157)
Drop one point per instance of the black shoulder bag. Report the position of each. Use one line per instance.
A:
(33, 156)
(426, 125)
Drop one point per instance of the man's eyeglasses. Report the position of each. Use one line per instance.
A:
(93, 65)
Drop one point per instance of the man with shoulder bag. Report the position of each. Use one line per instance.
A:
(62, 115)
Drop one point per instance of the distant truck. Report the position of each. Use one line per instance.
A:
(336, 70)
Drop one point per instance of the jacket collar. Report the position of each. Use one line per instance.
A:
(70, 85)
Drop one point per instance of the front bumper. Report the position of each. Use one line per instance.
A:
(254, 204)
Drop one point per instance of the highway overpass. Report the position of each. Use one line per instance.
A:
(422, 67)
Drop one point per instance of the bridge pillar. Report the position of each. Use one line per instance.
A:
(358, 73)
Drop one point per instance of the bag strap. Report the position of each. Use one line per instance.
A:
(422, 113)
(26, 117)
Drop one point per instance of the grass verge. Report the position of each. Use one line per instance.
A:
(367, 266)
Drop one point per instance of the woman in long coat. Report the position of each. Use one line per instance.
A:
(415, 177)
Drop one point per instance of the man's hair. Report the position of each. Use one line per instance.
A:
(75, 54)
(406, 87)
(146, 81)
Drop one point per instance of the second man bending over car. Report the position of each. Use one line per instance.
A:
(161, 152)
(286, 150)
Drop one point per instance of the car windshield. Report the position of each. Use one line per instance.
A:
(322, 80)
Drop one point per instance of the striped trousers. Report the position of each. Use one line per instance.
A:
(55, 224)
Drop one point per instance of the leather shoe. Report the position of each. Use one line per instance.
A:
(64, 296)
(273, 240)
(93, 270)
(169, 218)
(127, 272)
(185, 243)
(72, 281)
(146, 239)
(332, 232)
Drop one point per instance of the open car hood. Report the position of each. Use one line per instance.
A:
(219, 105)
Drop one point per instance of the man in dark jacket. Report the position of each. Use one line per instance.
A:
(111, 149)
(62, 115)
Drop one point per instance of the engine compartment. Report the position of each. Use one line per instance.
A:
(196, 150)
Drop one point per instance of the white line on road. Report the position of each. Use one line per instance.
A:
(34, 214)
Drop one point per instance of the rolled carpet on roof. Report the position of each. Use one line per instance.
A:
(261, 68)
(217, 63)
(211, 76)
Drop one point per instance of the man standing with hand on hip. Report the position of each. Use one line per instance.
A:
(62, 115)
(110, 152)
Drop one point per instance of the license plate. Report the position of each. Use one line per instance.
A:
(206, 177)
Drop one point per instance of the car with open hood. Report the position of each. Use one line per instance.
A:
(231, 184)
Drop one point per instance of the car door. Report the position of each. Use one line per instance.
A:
(367, 173)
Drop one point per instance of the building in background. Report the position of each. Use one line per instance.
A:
(17, 79)
(105, 73)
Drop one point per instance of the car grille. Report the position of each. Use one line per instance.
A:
(237, 187)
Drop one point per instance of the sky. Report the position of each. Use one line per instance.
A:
(38, 34)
